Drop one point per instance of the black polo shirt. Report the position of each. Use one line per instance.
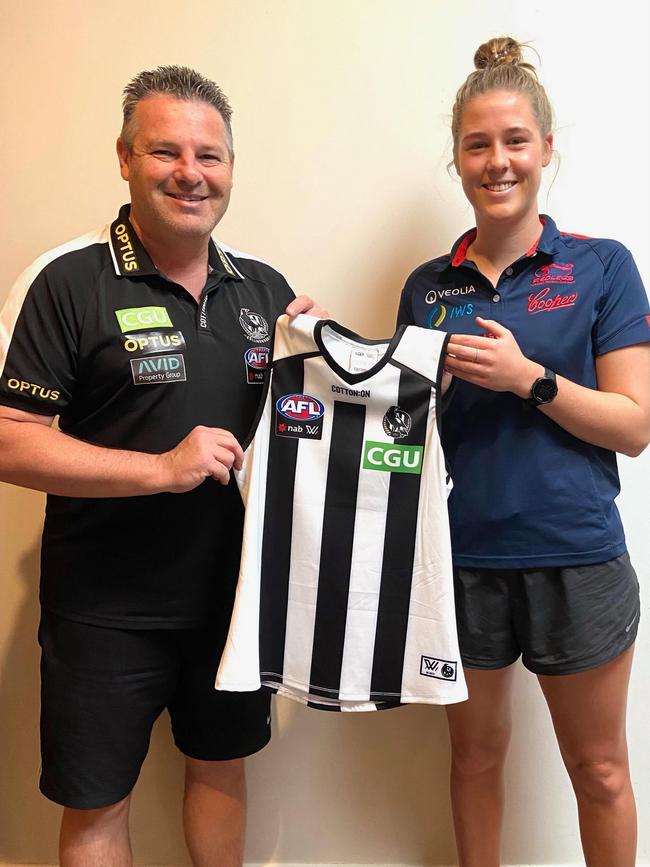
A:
(128, 359)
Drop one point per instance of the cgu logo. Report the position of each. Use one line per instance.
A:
(391, 458)
(133, 318)
(257, 357)
(300, 407)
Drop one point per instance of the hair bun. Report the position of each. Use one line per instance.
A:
(497, 51)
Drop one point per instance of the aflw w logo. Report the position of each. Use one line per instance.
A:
(441, 669)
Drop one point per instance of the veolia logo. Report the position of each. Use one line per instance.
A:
(134, 318)
(391, 458)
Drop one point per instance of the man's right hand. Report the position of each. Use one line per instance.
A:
(206, 452)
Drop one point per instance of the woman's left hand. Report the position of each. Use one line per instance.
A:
(494, 361)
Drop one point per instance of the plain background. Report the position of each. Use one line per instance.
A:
(341, 133)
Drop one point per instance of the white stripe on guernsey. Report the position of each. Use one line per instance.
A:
(239, 254)
(13, 305)
(294, 336)
(308, 510)
(419, 349)
(432, 620)
(239, 669)
(367, 547)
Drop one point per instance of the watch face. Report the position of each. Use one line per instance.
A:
(544, 390)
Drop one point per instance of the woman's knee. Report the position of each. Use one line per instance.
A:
(599, 779)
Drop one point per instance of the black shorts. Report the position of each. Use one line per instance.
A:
(103, 688)
(559, 620)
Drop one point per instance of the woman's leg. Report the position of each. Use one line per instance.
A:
(588, 712)
(480, 734)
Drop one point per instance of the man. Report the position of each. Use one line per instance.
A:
(148, 340)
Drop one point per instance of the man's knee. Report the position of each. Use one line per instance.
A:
(97, 820)
(222, 775)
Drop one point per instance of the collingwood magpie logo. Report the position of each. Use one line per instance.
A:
(396, 423)
(255, 326)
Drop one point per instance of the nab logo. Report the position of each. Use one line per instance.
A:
(389, 458)
(441, 669)
(256, 360)
(300, 407)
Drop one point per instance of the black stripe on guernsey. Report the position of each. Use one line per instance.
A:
(399, 549)
(288, 378)
(336, 545)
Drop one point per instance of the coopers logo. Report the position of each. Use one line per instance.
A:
(389, 458)
(34, 389)
(134, 318)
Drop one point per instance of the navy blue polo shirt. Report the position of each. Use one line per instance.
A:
(526, 492)
(93, 332)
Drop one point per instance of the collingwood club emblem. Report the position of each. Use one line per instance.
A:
(255, 326)
(396, 423)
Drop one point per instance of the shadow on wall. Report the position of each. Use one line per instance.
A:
(28, 822)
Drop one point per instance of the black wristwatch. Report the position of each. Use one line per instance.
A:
(543, 390)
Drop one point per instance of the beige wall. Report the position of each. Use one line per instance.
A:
(341, 138)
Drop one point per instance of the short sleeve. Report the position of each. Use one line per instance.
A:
(624, 312)
(39, 332)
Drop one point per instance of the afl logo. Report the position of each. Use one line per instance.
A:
(396, 423)
(257, 357)
(300, 407)
(255, 326)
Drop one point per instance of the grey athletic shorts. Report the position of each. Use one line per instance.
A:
(559, 620)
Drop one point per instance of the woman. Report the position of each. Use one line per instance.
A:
(550, 352)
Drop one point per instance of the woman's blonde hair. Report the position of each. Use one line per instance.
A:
(500, 66)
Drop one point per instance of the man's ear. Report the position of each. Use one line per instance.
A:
(123, 155)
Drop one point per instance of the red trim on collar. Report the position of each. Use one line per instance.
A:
(533, 249)
(573, 235)
(461, 252)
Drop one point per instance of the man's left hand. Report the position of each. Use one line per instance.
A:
(305, 304)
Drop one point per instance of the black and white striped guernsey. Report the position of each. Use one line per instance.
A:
(345, 596)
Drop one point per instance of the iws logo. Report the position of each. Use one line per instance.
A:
(439, 313)
(299, 416)
(256, 360)
(554, 272)
(134, 318)
(389, 458)
(441, 669)
(396, 423)
(158, 369)
(254, 325)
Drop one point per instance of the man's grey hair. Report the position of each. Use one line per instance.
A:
(181, 82)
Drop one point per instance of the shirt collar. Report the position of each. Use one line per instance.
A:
(130, 259)
(546, 243)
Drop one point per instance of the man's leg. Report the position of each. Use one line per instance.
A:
(588, 712)
(214, 812)
(480, 734)
(96, 837)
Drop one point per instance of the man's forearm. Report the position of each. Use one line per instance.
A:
(35, 456)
